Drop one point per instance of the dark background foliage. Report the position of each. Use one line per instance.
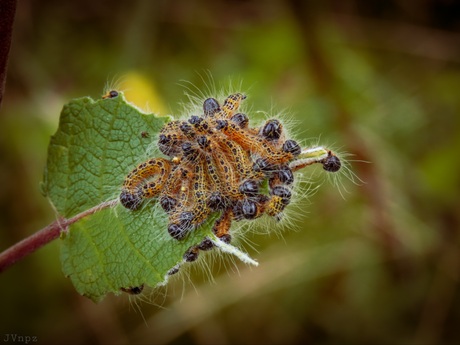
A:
(379, 79)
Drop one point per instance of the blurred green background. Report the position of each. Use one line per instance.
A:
(378, 79)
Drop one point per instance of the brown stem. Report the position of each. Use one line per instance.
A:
(7, 10)
(44, 236)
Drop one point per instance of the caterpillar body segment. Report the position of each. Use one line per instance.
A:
(222, 226)
(261, 146)
(145, 181)
(231, 105)
(327, 158)
(110, 94)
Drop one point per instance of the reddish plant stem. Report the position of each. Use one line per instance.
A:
(40, 238)
(7, 10)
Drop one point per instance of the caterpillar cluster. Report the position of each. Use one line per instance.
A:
(217, 162)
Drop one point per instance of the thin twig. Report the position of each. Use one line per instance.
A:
(40, 238)
(7, 10)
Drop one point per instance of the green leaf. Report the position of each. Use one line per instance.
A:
(96, 145)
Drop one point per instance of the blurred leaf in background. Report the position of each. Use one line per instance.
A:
(376, 79)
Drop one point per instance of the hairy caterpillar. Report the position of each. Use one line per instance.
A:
(219, 163)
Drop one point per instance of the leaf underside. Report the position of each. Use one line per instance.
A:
(96, 145)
